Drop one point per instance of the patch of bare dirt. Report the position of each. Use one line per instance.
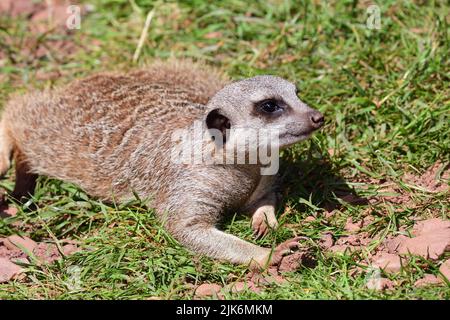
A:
(427, 280)
(47, 33)
(389, 262)
(391, 244)
(208, 290)
(44, 16)
(430, 239)
(47, 252)
(430, 226)
(380, 284)
(293, 261)
(242, 286)
(351, 243)
(7, 211)
(430, 179)
(326, 241)
(15, 8)
(396, 195)
(434, 180)
(16, 248)
(445, 269)
(8, 270)
(256, 280)
(15, 242)
(351, 226)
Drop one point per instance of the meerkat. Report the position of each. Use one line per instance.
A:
(110, 134)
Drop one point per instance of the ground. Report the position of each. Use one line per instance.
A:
(368, 193)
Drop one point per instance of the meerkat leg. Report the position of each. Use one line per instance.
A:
(262, 206)
(263, 218)
(195, 229)
(220, 245)
(6, 147)
(25, 180)
(217, 244)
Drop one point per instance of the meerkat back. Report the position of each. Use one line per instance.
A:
(96, 132)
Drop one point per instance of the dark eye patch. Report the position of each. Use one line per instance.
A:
(270, 107)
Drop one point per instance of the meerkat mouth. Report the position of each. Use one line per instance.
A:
(303, 134)
(289, 139)
(298, 135)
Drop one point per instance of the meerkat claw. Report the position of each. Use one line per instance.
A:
(259, 228)
(284, 249)
(263, 221)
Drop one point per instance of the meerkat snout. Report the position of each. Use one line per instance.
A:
(317, 119)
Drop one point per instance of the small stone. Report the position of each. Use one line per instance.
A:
(342, 248)
(46, 252)
(331, 152)
(8, 270)
(15, 242)
(237, 287)
(430, 245)
(352, 227)
(380, 284)
(326, 241)
(354, 199)
(393, 244)
(242, 286)
(69, 249)
(388, 262)
(430, 226)
(445, 269)
(428, 279)
(293, 261)
(7, 212)
(208, 290)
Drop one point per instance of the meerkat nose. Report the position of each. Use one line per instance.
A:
(317, 119)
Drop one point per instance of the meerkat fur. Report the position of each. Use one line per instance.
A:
(110, 134)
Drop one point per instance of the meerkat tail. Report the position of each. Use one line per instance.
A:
(6, 148)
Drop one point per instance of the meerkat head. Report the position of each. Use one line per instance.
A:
(263, 103)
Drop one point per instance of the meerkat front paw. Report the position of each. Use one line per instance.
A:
(264, 220)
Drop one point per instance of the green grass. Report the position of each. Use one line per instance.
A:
(385, 95)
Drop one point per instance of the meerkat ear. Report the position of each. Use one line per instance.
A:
(215, 120)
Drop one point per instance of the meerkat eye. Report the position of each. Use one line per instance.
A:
(270, 106)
